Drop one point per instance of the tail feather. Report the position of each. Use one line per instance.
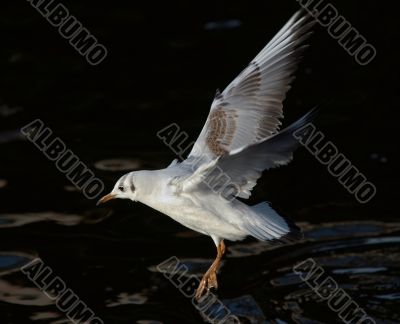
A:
(266, 224)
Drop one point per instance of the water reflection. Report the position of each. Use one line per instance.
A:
(257, 282)
(13, 261)
(49, 317)
(394, 296)
(222, 24)
(22, 295)
(125, 298)
(11, 136)
(3, 183)
(245, 307)
(118, 165)
(90, 217)
(14, 292)
(362, 264)
(188, 267)
(6, 111)
(359, 270)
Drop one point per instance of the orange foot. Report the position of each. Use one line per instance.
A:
(209, 280)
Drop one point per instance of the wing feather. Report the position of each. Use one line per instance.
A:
(241, 168)
(250, 108)
(244, 166)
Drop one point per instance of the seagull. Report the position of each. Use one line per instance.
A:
(240, 139)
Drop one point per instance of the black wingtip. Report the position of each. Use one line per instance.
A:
(312, 113)
(294, 235)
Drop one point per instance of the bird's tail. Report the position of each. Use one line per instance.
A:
(266, 224)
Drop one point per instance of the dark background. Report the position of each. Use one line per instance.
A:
(164, 64)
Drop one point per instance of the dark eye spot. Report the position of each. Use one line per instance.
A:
(132, 188)
(121, 188)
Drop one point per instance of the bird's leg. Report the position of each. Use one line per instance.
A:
(209, 279)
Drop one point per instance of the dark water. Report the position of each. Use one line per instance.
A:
(165, 62)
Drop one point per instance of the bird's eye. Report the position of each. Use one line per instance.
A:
(121, 188)
(132, 188)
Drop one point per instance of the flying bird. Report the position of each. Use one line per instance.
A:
(240, 139)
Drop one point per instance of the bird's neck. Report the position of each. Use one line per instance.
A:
(153, 188)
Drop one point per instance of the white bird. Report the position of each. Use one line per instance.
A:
(239, 140)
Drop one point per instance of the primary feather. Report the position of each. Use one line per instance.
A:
(250, 108)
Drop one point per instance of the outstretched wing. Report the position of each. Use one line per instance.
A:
(244, 166)
(235, 174)
(249, 109)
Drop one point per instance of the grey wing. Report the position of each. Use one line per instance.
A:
(243, 167)
(249, 109)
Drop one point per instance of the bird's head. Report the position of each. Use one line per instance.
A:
(124, 188)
